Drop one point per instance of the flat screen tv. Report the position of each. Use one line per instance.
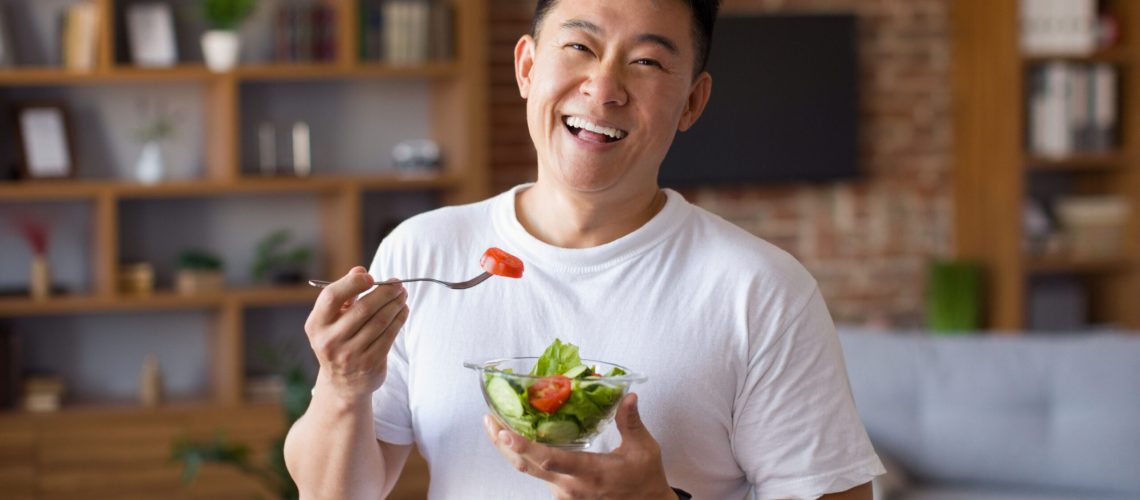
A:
(784, 104)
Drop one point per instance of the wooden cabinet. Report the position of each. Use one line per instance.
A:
(994, 173)
(357, 110)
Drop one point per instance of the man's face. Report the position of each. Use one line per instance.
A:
(608, 84)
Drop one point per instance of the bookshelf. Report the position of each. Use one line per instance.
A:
(352, 192)
(995, 170)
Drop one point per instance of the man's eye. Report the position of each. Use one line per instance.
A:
(648, 62)
(578, 47)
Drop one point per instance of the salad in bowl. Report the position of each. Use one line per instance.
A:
(557, 399)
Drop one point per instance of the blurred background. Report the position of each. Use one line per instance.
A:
(958, 175)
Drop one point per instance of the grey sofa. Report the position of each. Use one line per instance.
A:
(1000, 417)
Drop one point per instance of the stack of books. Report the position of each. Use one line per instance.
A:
(305, 33)
(1072, 108)
(79, 36)
(1059, 27)
(406, 31)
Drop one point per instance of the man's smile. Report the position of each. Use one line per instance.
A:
(587, 130)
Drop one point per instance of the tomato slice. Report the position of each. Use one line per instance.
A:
(500, 263)
(549, 393)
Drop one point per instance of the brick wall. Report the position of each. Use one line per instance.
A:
(867, 242)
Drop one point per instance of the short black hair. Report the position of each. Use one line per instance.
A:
(704, 17)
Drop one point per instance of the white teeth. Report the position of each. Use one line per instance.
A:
(582, 123)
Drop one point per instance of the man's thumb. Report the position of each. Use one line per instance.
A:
(629, 419)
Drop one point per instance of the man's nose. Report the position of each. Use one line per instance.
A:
(606, 85)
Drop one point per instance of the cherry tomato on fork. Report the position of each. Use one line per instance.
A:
(500, 263)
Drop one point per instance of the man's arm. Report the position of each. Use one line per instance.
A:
(332, 452)
(861, 492)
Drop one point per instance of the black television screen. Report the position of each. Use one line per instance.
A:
(784, 104)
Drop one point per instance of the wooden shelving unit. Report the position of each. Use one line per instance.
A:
(993, 172)
(457, 109)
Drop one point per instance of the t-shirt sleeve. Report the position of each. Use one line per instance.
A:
(391, 413)
(796, 433)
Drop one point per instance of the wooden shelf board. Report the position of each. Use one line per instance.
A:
(1117, 55)
(274, 72)
(1077, 162)
(1038, 265)
(54, 76)
(157, 301)
(175, 409)
(81, 189)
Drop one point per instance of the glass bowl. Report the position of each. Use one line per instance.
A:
(508, 389)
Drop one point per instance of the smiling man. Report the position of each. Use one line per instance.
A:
(747, 393)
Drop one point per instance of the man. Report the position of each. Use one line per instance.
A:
(747, 391)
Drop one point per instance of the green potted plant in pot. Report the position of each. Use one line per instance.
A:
(221, 44)
(198, 272)
(277, 262)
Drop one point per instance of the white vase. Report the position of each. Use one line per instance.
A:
(149, 168)
(221, 49)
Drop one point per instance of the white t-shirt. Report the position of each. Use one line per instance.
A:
(747, 386)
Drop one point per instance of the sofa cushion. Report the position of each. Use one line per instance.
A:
(1046, 412)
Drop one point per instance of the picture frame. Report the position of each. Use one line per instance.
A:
(151, 33)
(45, 141)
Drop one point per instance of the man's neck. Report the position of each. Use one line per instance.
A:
(575, 220)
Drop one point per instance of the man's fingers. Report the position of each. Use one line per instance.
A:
(369, 305)
(382, 343)
(334, 296)
(508, 444)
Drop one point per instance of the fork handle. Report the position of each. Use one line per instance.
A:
(322, 284)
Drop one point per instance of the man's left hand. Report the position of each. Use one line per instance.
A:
(633, 470)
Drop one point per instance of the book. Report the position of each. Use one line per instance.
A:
(150, 27)
(80, 36)
(1058, 27)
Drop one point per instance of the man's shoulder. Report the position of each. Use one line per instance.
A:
(729, 246)
(446, 222)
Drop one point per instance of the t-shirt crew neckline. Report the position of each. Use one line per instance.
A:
(585, 260)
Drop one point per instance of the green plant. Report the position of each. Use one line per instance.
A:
(220, 450)
(158, 123)
(954, 296)
(199, 260)
(227, 14)
(273, 256)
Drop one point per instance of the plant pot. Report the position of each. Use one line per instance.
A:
(196, 281)
(221, 49)
(149, 169)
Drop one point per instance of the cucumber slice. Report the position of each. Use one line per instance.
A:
(504, 397)
(558, 431)
(576, 371)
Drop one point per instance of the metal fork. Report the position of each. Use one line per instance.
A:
(462, 285)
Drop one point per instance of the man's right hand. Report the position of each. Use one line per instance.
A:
(351, 336)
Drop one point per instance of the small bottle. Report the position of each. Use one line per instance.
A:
(150, 383)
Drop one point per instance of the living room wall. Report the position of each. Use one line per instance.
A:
(867, 242)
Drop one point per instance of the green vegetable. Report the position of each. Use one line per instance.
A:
(591, 399)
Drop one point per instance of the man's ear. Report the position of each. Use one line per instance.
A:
(524, 62)
(698, 98)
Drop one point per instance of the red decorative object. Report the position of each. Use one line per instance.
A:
(36, 235)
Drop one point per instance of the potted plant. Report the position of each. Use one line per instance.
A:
(221, 44)
(278, 263)
(199, 271)
(157, 127)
